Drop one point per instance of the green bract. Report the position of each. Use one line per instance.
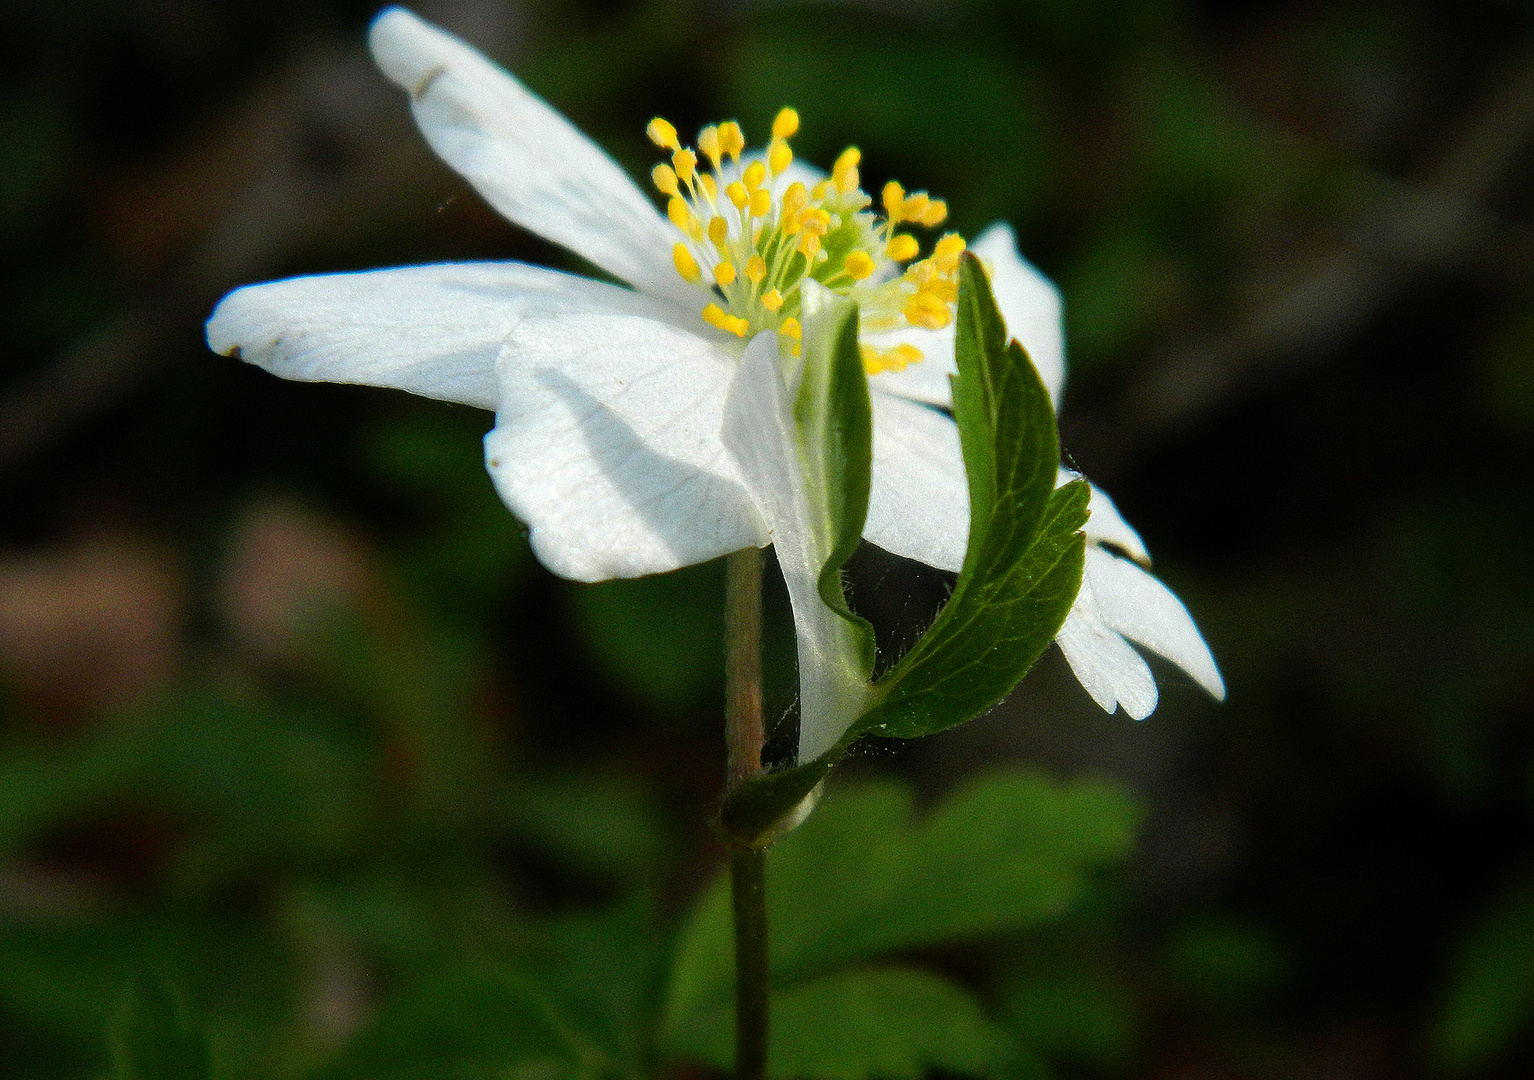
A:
(1021, 573)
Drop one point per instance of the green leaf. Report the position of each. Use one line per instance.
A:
(152, 1037)
(484, 1022)
(1022, 566)
(835, 422)
(864, 877)
(894, 1023)
(1490, 998)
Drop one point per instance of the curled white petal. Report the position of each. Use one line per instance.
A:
(432, 330)
(1029, 303)
(918, 501)
(607, 443)
(1105, 525)
(760, 432)
(1102, 661)
(1137, 605)
(527, 160)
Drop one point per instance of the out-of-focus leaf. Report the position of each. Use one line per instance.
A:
(602, 824)
(660, 637)
(484, 1022)
(1489, 1001)
(1226, 963)
(152, 1036)
(864, 877)
(894, 1023)
(1063, 1006)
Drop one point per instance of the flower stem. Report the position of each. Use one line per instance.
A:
(744, 734)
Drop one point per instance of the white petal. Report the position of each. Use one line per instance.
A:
(431, 330)
(1102, 661)
(1029, 302)
(1105, 525)
(760, 432)
(607, 443)
(918, 504)
(1140, 607)
(926, 381)
(527, 160)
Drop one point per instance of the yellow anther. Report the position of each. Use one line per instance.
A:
(942, 289)
(686, 163)
(724, 273)
(905, 356)
(845, 172)
(809, 245)
(662, 134)
(761, 202)
(682, 217)
(708, 142)
(902, 248)
(779, 156)
(947, 251)
(815, 221)
(686, 265)
(772, 300)
(914, 206)
(714, 315)
(738, 194)
(790, 328)
(755, 173)
(873, 360)
(935, 214)
(718, 230)
(859, 264)
(731, 140)
(927, 311)
(710, 188)
(756, 269)
(892, 196)
(794, 200)
(785, 124)
(821, 190)
(664, 179)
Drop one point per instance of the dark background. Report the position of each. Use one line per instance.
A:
(285, 704)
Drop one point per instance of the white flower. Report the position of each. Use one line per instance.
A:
(624, 434)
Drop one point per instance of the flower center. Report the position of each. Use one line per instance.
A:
(752, 234)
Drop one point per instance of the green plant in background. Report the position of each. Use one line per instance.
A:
(785, 370)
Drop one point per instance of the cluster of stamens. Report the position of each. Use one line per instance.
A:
(752, 239)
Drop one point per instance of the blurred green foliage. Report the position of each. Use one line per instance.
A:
(377, 796)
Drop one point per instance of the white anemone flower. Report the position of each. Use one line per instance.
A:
(619, 435)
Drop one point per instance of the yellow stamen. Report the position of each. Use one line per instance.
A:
(914, 206)
(845, 172)
(795, 199)
(772, 300)
(731, 140)
(815, 221)
(927, 311)
(664, 179)
(710, 188)
(786, 124)
(718, 230)
(724, 273)
(859, 264)
(809, 246)
(686, 163)
(935, 214)
(779, 156)
(947, 251)
(662, 134)
(686, 265)
(715, 315)
(738, 194)
(708, 142)
(891, 199)
(756, 269)
(902, 248)
(790, 328)
(873, 362)
(905, 356)
(755, 173)
(682, 217)
(761, 202)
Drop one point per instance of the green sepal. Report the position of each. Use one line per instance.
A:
(759, 810)
(1023, 563)
(835, 420)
